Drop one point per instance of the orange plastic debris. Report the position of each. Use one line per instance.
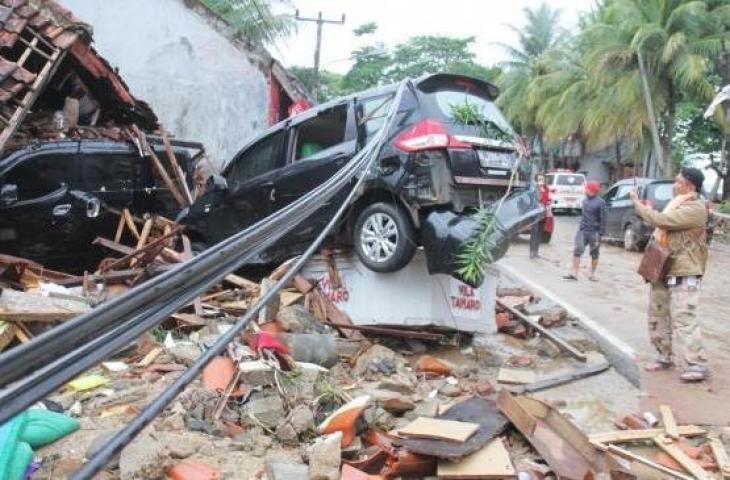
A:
(218, 374)
(351, 473)
(193, 471)
(433, 366)
(344, 419)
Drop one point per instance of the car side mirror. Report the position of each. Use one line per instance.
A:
(8, 194)
(216, 183)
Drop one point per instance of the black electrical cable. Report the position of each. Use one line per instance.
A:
(120, 439)
(27, 358)
(66, 365)
(38, 383)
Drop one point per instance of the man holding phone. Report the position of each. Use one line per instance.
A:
(681, 228)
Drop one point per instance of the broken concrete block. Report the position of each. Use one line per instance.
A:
(286, 434)
(317, 348)
(268, 313)
(377, 360)
(185, 354)
(281, 470)
(301, 418)
(325, 457)
(268, 410)
(297, 319)
(143, 458)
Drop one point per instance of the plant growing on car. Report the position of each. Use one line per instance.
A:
(476, 253)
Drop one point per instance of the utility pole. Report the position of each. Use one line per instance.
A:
(320, 21)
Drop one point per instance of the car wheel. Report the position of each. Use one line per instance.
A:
(631, 239)
(384, 237)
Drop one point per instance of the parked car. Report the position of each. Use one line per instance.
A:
(430, 161)
(53, 198)
(623, 225)
(567, 190)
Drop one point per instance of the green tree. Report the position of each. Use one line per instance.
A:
(676, 40)
(254, 20)
(525, 63)
(330, 83)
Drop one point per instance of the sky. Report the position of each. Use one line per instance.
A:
(399, 20)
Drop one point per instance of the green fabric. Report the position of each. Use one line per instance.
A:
(309, 149)
(15, 455)
(43, 427)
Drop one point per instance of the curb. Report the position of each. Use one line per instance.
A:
(621, 356)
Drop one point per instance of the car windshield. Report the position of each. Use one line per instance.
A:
(660, 192)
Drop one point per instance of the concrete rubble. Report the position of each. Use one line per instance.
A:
(284, 418)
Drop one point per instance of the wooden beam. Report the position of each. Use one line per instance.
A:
(559, 342)
(670, 424)
(621, 452)
(159, 168)
(176, 169)
(721, 457)
(120, 229)
(143, 237)
(673, 450)
(130, 223)
(624, 436)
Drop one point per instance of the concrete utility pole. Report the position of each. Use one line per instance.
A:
(320, 21)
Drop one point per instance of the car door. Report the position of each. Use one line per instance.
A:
(622, 209)
(319, 146)
(611, 220)
(251, 191)
(39, 215)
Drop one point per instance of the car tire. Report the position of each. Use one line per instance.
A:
(384, 238)
(631, 239)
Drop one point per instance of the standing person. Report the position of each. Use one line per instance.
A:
(673, 325)
(592, 227)
(536, 230)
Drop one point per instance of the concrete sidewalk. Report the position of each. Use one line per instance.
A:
(614, 310)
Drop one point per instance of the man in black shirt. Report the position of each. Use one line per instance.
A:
(592, 227)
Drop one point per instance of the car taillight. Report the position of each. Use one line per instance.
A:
(427, 135)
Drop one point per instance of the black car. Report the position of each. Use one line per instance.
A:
(54, 197)
(430, 162)
(623, 225)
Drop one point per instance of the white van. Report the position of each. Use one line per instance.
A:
(567, 190)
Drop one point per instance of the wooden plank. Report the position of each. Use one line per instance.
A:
(562, 378)
(623, 436)
(559, 342)
(143, 237)
(120, 229)
(516, 376)
(672, 449)
(157, 243)
(176, 168)
(621, 452)
(520, 418)
(150, 357)
(723, 461)
(241, 282)
(670, 424)
(130, 223)
(424, 427)
(490, 462)
(28, 307)
(7, 334)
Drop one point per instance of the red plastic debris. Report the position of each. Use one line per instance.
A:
(193, 471)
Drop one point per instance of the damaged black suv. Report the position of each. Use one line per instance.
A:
(431, 163)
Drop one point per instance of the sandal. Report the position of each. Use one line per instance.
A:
(695, 374)
(658, 365)
(592, 278)
(570, 276)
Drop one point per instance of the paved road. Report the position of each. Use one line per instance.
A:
(618, 302)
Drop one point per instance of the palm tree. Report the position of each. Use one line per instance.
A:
(254, 20)
(540, 34)
(675, 40)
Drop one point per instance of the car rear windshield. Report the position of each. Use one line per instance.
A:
(451, 98)
(565, 180)
(661, 192)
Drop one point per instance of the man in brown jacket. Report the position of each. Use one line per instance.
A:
(673, 302)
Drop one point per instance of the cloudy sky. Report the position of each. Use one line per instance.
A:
(398, 20)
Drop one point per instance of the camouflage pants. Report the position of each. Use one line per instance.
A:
(673, 324)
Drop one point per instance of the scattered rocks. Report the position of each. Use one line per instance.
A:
(282, 470)
(185, 354)
(297, 319)
(377, 360)
(286, 434)
(267, 410)
(144, 457)
(325, 457)
(301, 419)
(98, 442)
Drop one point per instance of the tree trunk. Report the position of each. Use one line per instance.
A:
(668, 163)
(725, 163)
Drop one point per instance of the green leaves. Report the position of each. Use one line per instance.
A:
(253, 19)
(476, 254)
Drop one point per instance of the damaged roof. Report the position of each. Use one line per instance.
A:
(42, 46)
